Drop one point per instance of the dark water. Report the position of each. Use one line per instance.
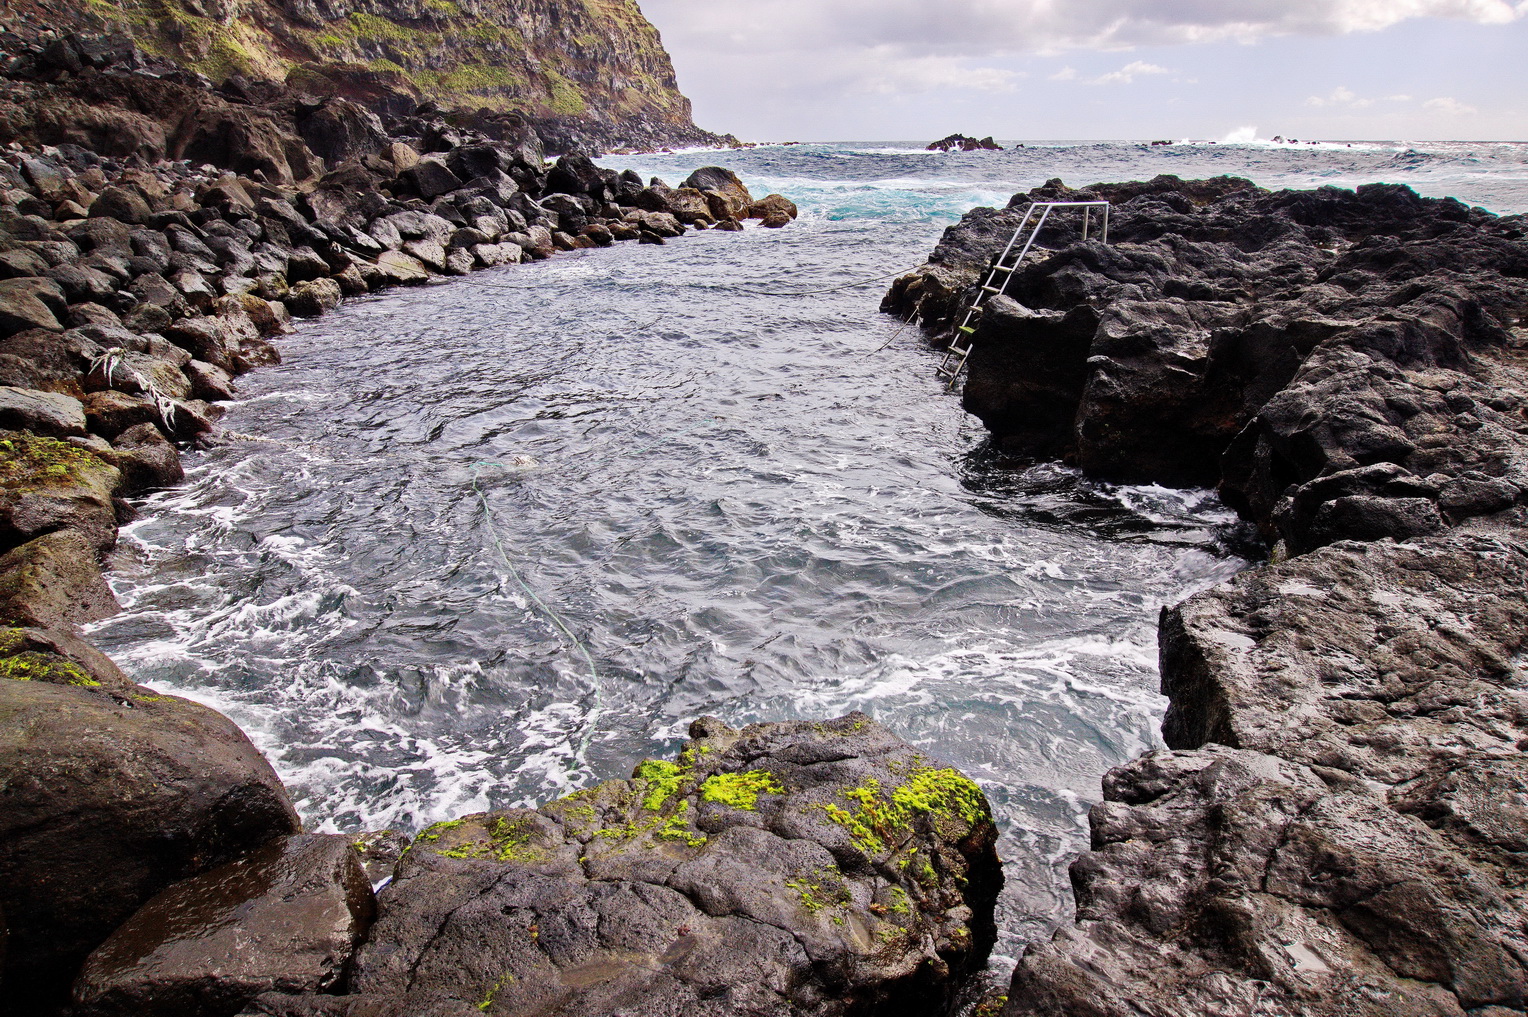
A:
(479, 544)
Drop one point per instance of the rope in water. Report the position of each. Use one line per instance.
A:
(597, 686)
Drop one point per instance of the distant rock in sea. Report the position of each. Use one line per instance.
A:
(961, 143)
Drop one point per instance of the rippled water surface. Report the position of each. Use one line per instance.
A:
(478, 544)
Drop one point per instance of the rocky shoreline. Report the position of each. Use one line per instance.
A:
(150, 859)
(1338, 826)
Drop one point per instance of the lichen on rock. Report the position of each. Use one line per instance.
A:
(713, 884)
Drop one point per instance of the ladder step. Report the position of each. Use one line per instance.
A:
(992, 289)
(967, 329)
(1004, 268)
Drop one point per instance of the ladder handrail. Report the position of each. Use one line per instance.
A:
(958, 353)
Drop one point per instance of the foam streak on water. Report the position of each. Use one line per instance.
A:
(742, 505)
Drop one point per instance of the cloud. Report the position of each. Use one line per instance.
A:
(931, 73)
(1449, 107)
(1070, 73)
(983, 28)
(1343, 97)
(1125, 75)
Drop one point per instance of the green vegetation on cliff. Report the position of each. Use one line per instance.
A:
(538, 57)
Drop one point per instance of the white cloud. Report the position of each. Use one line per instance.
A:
(979, 28)
(1449, 106)
(1341, 96)
(1125, 75)
(931, 73)
(1070, 73)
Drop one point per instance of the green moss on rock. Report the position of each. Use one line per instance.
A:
(29, 462)
(740, 790)
(45, 667)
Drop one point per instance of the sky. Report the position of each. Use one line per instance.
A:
(903, 70)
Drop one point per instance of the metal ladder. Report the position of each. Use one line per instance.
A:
(955, 354)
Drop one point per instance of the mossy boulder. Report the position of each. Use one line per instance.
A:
(47, 485)
(786, 869)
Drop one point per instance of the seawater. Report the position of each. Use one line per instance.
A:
(479, 544)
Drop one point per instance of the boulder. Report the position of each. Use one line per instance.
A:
(286, 917)
(122, 204)
(340, 130)
(145, 458)
(689, 206)
(109, 797)
(66, 659)
(44, 413)
(399, 269)
(209, 382)
(770, 206)
(312, 298)
(54, 582)
(724, 192)
(782, 868)
(27, 303)
(111, 412)
(47, 485)
(430, 178)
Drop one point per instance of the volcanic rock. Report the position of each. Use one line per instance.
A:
(109, 797)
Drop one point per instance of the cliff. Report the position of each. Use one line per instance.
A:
(590, 73)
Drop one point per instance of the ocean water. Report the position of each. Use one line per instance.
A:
(479, 544)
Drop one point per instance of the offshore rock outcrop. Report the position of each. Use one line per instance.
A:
(585, 74)
(1338, 825)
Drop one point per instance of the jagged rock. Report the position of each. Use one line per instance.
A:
(961, 143)
(109, 797)
(44, 413)
(1348, 657)
(47, 485)
(1228, 881)
(54, 582)
(780, 869)
(286, 918)
(1337, 330)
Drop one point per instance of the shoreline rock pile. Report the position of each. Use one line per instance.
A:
(1338, 824)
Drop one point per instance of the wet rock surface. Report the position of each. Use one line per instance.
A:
(107, 796)
(286, 917)
(779, 869)
(1340, 825)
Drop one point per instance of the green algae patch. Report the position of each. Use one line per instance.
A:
(487, 1001)
(28, 461)
(663, 779)
(946, 796)
(740, 790)
(677, 828)
(45, 667)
